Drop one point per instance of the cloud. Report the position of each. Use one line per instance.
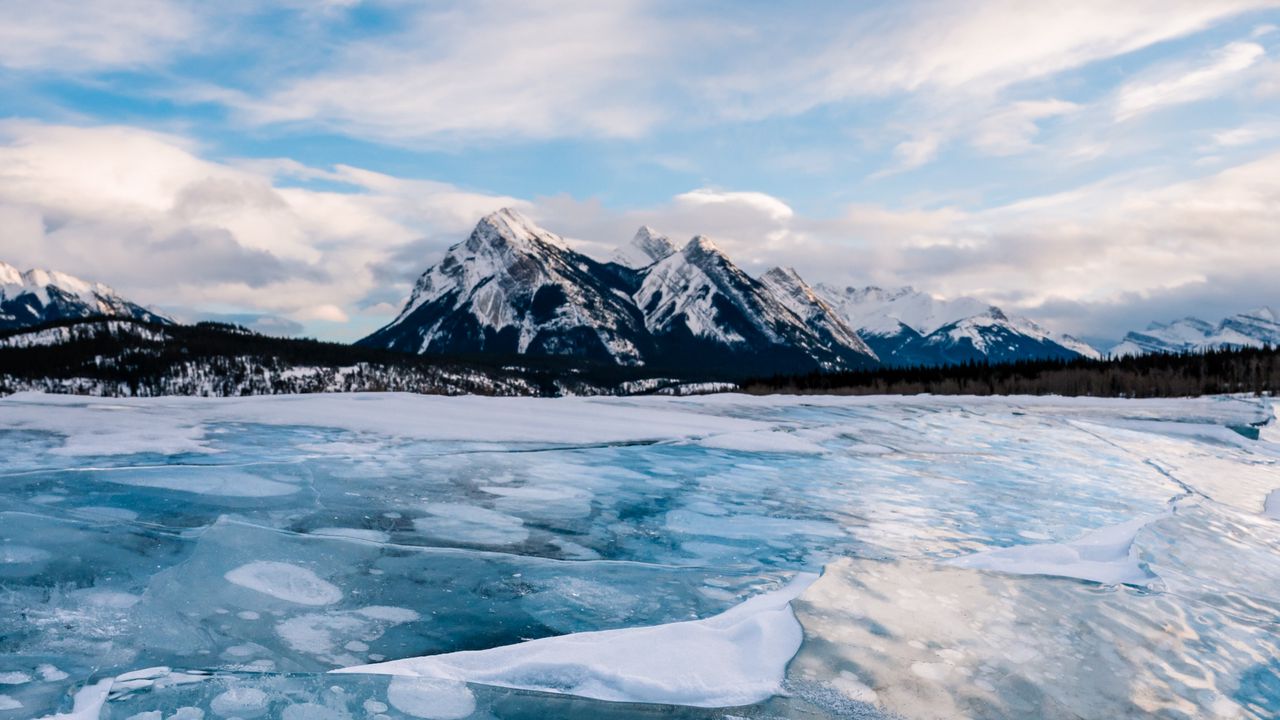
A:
(975, 48)
(145, 212)
(1013, 129)
(1090, 261)
(83, 35)
(762, 202)
(1179, 84)
(487, 70)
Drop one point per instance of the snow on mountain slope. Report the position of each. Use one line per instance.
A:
(791, 289)
(907, 327)
(514, 288)
(994, 337)
(646, 248)
(697, 303)
(879, 310)
(1254, 328)
(38, 296)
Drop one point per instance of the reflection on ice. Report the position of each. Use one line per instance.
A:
(984, 557)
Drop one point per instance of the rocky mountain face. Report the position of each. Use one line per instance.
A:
(513, 288)
(1256, 328)
(33, 297)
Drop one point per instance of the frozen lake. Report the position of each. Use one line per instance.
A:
(717, 557)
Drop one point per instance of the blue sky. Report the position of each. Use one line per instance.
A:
(1093, 165)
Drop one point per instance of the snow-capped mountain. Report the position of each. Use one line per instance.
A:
(512, 288)
(788, 287)
(1255, 328)
(907, 327)
(701, 307)
(646, 248)
(38, 296)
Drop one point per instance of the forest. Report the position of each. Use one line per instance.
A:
(1244, 370)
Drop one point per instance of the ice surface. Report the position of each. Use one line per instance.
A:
(984, 557)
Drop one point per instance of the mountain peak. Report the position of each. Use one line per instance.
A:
(700, 249)
(647, 247)
(1265, 312)
(511, 226)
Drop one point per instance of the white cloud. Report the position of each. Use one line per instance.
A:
(1013, 129)
(78, 35)
(913, 153)
(1246, 135)
(463, 71)
(762, 202)
(144, 212)
(974, 48)
(1180, 84)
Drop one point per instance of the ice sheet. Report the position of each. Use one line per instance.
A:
(256, 545)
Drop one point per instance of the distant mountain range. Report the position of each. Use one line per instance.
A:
(39, 296)
(513, 288)
(1256, 328)
(513, 292)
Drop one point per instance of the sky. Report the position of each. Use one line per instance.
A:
(295, 165)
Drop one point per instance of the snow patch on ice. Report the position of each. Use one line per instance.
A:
(284, 581)
(87, 702)
(470, 524)
(1102, 556)
(240, 702)
(738, 657)
(432, 698)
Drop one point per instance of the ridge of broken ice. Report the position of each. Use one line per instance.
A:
(737, 657)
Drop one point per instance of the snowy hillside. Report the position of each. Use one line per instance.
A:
(33, 297)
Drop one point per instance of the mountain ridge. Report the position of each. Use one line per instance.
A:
(33, 297)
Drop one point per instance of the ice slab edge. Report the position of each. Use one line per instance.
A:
(738, 657)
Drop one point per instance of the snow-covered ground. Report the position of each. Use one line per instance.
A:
(399, 556)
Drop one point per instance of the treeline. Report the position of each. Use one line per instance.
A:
(1247, 370)
(132, 358)
(124, 357)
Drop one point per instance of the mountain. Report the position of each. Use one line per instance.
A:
(1256, 328)
(907, 327)
(38, 296)
(645, 249)
(512, 288)
(788, 287)
(701, 308)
